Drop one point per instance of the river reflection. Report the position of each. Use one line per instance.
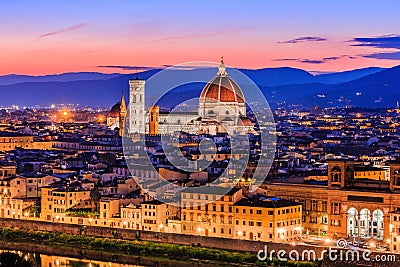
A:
(42, 260)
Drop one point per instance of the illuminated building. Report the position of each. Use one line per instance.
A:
(267, 219)
(117, 114)
(222, 109)
(11, 140)
(348, 207)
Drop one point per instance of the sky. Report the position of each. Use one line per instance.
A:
(46, 37)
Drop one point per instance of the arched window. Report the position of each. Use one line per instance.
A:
(365, 223)
(377, 224)
(336, 174)
(352, 222)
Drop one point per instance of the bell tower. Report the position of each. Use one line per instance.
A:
(122, 114)
(136, 107)
(340, 173)
(154, 112)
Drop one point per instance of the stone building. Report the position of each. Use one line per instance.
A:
(221, 109)
(348, 206)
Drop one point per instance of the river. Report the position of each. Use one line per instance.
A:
(39, 256)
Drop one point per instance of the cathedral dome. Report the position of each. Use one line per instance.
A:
(115, 110)
(222, 88)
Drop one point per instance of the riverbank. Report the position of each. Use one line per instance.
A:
(129, 252)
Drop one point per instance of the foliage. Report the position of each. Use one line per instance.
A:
(175, 251)
(82, 213)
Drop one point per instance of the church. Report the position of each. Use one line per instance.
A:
(221, 109)
(116, 115)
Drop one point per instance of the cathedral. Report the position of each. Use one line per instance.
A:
(221, 109)
(116, 115)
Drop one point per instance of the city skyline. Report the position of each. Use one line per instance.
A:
(75, 36)
(173, 133)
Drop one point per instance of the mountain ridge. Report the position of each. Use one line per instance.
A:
(302, 88)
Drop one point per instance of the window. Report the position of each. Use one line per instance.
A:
(335, 208)
(314, 205)
(270, 212)
(324, 206)
(259, 211)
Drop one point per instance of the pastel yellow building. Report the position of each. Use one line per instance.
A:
(11, 140)
(56, 202)
(267, 219)
(368, 172)
(131, 216)
(156, 214)
(209, 211)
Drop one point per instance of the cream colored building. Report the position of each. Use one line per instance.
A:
(131, 216)
(209, 211)
(156, 214)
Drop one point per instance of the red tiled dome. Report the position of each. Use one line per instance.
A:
(222, 88)
(115, 110)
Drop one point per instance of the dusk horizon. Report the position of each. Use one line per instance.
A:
(68, 37)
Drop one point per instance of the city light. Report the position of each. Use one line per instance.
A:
(178, 133)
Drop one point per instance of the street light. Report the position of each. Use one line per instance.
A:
(65, 113)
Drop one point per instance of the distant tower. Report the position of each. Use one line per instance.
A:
(136, 106)
(154, 111)
(122, 114)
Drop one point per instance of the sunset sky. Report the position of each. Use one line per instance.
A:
(43, 37)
